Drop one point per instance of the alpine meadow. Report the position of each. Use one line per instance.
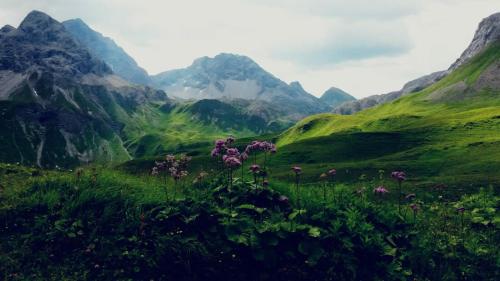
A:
(220, 170)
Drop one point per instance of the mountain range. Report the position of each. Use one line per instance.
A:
(232, 77)
(70, 95)
(59, 103)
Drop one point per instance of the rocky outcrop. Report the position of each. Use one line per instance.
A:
(488, 31)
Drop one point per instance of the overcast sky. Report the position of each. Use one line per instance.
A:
(362, 46)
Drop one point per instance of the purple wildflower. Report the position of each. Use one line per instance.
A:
(380, 190)
(414, 207)
(461, 210)
(243, 156)
(232, 161)
(255, 146)
(232, 152)
(399, 176)
(255, 168)
(230, 140)
(215, 152)
(332, 172)
(220, 143)
(297, 170)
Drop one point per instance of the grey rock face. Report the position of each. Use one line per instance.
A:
(107, 50)
(42, 43)
(334, 97)
(235, 77)
(487, 32)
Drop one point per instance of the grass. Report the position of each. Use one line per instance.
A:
(110, 225)
(451, 140)
(153, 131)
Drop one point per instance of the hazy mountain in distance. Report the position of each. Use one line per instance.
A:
(107, 50)
(233, 77)
(334, 97)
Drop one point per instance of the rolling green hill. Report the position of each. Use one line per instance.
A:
(446, 132)
(156, 129)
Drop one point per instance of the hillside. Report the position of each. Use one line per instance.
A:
(448, 130)
(157, 129)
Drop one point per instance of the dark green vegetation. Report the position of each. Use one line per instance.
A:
(97, 224)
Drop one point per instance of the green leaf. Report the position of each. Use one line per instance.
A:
(293, 215)
(314, 232)
(246, 206)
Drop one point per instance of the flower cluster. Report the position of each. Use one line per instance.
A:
(177, 168)
(219, 148)
(232, 158)
(264, 146)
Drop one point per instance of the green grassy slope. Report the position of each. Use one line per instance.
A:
(446, 132)
(157, 129)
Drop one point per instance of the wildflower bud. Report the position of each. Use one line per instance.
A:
(398, 176)
(297, 170)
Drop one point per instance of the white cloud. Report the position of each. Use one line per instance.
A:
(363, 46)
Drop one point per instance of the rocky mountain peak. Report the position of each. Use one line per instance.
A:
(296, 85)
(488, 31)
(40, 26)
(334, 97)
(42, 43)
(7, 28)
(228, 66)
